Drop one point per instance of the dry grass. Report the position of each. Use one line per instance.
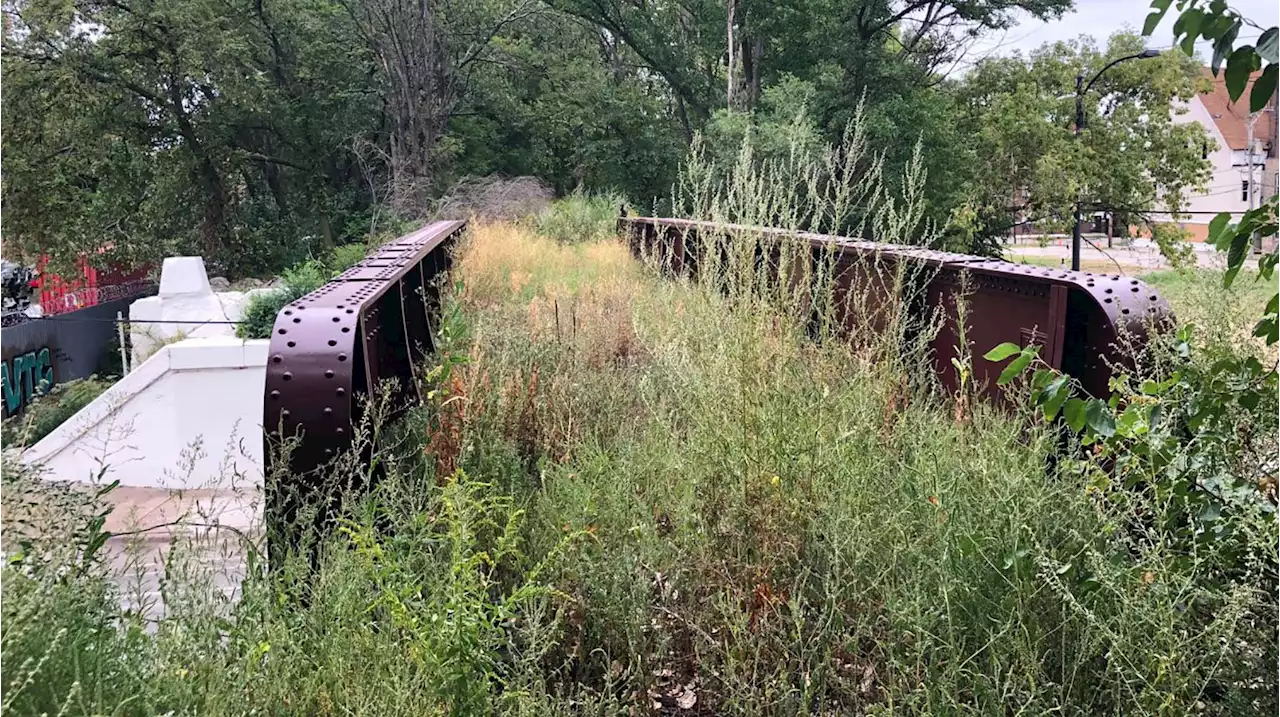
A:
(501, 259)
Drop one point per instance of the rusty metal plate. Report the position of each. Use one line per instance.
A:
(1080, 319)
(332, 348)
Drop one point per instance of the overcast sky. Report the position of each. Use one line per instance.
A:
(1101, 18)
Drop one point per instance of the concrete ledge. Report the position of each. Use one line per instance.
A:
(194, 408)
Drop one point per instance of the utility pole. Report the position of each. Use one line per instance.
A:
(1075, 231)
(1255, 242)
(1255, 193)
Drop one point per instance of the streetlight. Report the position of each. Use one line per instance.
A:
(1081, 90)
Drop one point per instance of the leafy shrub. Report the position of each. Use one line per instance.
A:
(580, 217)
(51, 410)
(345, 256)
(299, 280)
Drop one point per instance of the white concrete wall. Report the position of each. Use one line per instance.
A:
(185, 297)
(190, 417)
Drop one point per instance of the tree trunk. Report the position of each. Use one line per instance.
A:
(733, 6)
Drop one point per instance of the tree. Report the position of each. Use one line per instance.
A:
(425, 54)
(156, 127)
(1028, 163)
(562, 99)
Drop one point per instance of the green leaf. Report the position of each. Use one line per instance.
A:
(1240, 65)
(1131, 421)
(1223, 46)
(1235, 256)
(1263, 88)
(1220, 25)
(1016, 367)
(1153, 20)
(1268, 329)
(1099, 418)
(1191, 21)
(1073, 413)
(1058, 392)
(1217, 224)
(1002, 352)
(1267, 44)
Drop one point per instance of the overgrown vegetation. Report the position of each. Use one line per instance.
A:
(298, 281)
(581, 217)
(629, 494)
(51, 409)
(626, 494)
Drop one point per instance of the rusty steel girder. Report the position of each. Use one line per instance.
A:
(332, 348)
(1086, 324)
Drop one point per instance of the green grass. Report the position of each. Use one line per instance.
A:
(630, 495)
(1198, 295)
(580, 217)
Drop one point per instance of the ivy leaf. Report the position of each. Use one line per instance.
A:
(1263, 88)
(1015, 367)
(1267, 44)
(1099, 418)
(1073, 413)
(1002, 352)
(1240, 65)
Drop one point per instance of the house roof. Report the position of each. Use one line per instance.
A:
(1232, 118)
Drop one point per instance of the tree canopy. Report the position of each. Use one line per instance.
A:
(257, 132)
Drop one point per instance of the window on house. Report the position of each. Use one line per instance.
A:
(1244, 191)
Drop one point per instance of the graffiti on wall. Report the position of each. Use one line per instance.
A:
(25, 376)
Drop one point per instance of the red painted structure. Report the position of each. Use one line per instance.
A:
(87, 286)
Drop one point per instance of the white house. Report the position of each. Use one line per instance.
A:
(1236, 137)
